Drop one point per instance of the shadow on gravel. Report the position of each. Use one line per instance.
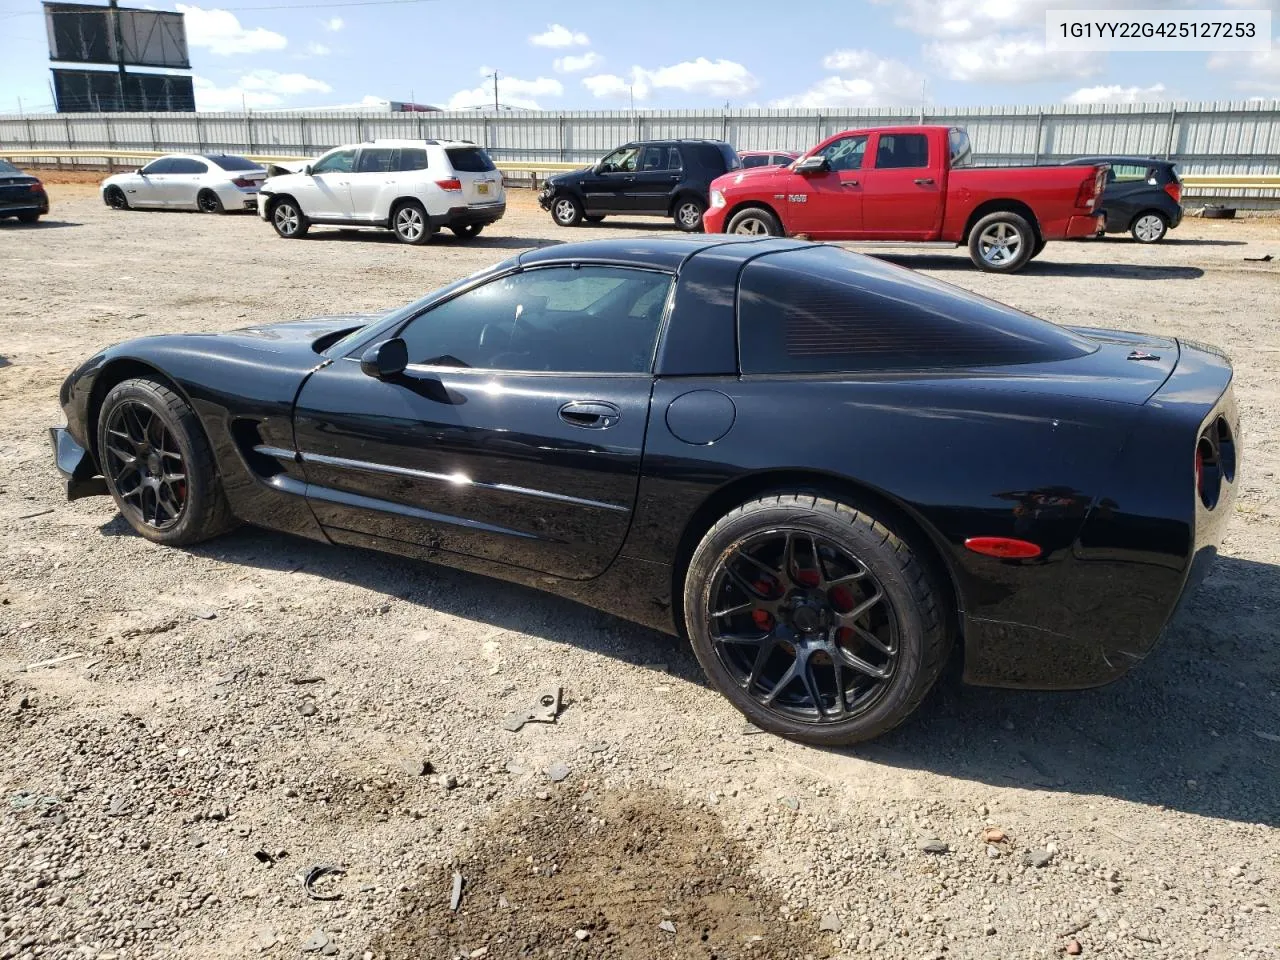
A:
(1180, 731)
(444, 238)
(41, 224)
(1044, 268)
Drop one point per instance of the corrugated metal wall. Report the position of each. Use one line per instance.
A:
(1219, 138)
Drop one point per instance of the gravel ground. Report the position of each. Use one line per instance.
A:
(239, 713)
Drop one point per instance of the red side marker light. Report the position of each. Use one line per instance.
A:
(1004, 548)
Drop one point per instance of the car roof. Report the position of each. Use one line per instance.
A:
(414, 142)
(661, 253)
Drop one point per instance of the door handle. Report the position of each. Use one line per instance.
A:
(590, 414)
(849, 183)
(923, 181)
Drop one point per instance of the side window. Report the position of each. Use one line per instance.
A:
(340, 161)
(620, 161)
(1128, 172)
(556, 319)
(157, 166)
(188, 166)
(758, 160)
(961, 151)
(378, 160)
(896, 151)
(412, 158)
(653, 159)
(673, 159)
(782, 160)
(845, 153)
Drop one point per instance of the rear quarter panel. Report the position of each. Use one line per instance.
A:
(1050, 192)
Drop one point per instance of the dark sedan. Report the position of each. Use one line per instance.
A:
(21, 195)
(823, 470)
(1142, 197)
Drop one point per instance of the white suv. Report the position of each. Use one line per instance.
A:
(411, 187)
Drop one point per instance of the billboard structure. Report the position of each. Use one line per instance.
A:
(125, 37)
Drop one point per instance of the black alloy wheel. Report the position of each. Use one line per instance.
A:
(144, 462)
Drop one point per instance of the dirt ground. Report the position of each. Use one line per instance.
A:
(239, 713)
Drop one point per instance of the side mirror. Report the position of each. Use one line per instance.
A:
(385, 360)
(138, 170)
(306, 170)
(814, 164)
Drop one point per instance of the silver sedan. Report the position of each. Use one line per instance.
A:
(214, 183)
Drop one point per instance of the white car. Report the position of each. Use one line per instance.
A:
(214, 183)
(411, 187)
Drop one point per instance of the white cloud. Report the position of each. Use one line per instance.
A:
(1259, 71)
(573, 64)
(317, 49)
(1015, 59)
(256, 90)
(868, 81)
(558, 36)
(333, 24)
(512, 92)
(1114, 93)
(971, 19)
(221, 33)
(713, 78)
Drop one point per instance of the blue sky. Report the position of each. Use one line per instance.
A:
(584, 54)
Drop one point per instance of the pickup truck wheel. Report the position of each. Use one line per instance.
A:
(688, 214)
(1037, 249)
(1001, 242)
(755, 222)
(814, 619)
(1150, 227)
(566, 211)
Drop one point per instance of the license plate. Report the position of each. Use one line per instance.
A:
(482, 188)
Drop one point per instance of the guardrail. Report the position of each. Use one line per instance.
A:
(1194, 184)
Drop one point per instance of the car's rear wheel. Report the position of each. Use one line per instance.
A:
(566, 211)
(116, 199)
(28, 217)
(159, 466)
(688, 214)
(288, 219)
(208, 202)
(1150, 227)
(814, 619)
(409, 223)
(1002, 242)
(467, 231)
(755, 222)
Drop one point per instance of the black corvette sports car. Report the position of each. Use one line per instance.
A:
(824, 470)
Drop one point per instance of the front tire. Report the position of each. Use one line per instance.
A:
(1002, 242)
(688, 214)
(1149, 227)
(158, 465)
(116, 199)
(409, 223)
(814, 619)
(289, 220)
(209, 202)
(755, 222)
(566, 211)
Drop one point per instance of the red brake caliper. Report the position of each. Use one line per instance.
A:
(762, 618)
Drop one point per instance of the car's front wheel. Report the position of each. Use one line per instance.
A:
(688, 214)
(566, 211)
(755, 222)
(1002, 242)
(116, 199)
(409, 223)
(209, 202)
(815, 619)
(288, 219)
(158, 465)
(1149, 228)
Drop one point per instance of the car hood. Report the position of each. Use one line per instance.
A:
(750, 177)
(316, 330)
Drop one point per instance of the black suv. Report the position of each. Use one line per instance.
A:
(650, 178)
(1142, 196)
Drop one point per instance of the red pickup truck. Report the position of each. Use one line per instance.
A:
(912, 184)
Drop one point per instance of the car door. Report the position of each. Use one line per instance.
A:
(147, 187)
(326, 193)
(658, 172)
(901, 196)
(514, 435)
(1128, 190)
(185, 177)
(374, 178)
(828, 204)
(607, 187)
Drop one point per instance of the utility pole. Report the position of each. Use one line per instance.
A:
(924, 84)
(115, 27)
(631, 89)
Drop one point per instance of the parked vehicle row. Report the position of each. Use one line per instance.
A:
(210, 183)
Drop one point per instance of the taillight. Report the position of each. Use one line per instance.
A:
(1089, 190)
(1174, 189)
(244, 182)
(454, 185)
(37, 187)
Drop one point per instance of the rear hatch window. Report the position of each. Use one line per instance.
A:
(480, 179)
(469, 160)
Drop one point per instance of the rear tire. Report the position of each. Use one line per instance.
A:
(28, 217)
(159, 467)
(1001, 242)
(688, 214)
(115, 198)
(1149, 227)
(209, 202)
(409, 223)
(755, 222)
(467, 231)
(288, 219)
(566, 211)
(849, 615)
